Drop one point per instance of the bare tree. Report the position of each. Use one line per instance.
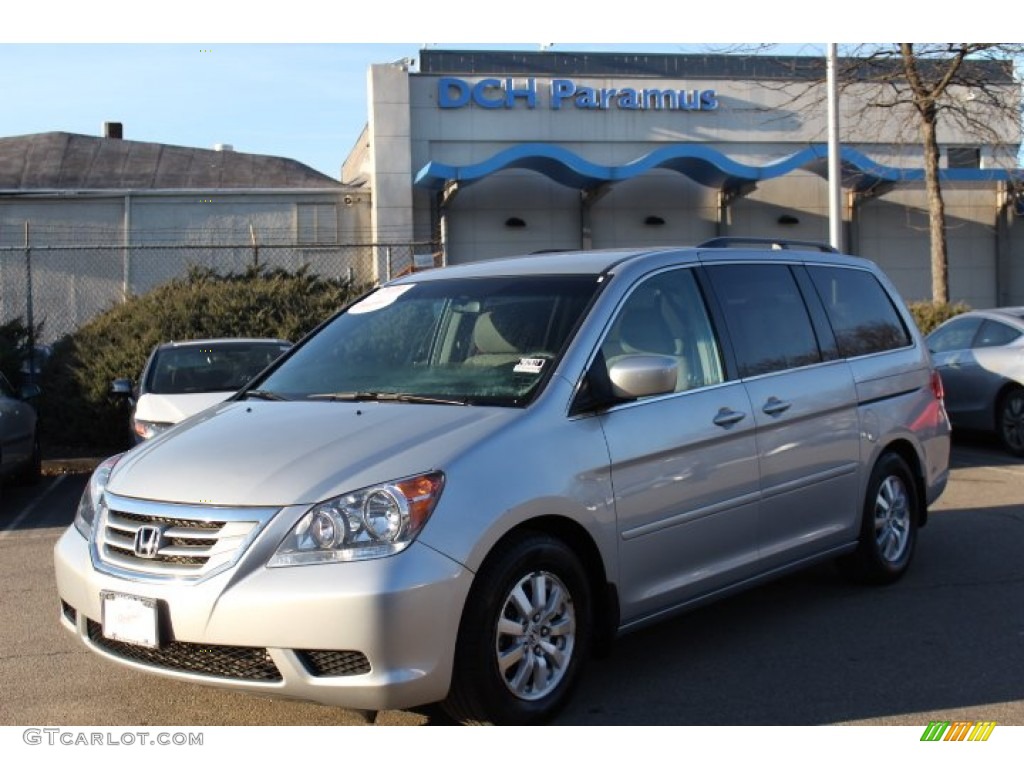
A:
(964, 85)
(914, 92)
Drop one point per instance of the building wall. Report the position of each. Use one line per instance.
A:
(81, 260)
(756, 123)
(194, 218)
(389, 160)
(893, 230)
(1012, 277)
(83, 283)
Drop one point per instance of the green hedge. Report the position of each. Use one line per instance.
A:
(78, 412)
(930, 314)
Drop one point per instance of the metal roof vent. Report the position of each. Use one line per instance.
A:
(223, 147)
(113, 131)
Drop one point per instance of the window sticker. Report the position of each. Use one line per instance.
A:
(385, 297)
(529, 365)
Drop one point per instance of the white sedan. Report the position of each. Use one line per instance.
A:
(182, 378)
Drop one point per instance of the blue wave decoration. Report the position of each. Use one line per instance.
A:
(704, 165)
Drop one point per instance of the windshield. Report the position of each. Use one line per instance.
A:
(218, 367)
(470, 340)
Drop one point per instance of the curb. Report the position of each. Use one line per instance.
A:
(70, 466)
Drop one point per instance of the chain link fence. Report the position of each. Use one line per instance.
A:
(62, 287)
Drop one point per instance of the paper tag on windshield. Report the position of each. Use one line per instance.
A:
(529, 365)
(379, 299)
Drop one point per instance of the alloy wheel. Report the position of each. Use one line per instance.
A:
(536, 635)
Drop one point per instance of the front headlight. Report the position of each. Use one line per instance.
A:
(373, 522)
(92, 497)
(148, 429)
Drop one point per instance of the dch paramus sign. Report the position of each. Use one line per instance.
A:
(562, 93)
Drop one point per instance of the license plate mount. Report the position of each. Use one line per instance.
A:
(130, 619)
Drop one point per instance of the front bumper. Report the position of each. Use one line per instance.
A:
(377, 634)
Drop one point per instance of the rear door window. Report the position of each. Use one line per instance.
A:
(859, 308)
(768, 321)
(954, 335)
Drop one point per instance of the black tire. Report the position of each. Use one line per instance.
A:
(889, 524)
(1010, 421)
(545, 653)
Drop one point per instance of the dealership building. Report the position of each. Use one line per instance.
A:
(487, 154)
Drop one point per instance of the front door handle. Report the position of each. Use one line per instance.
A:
(774, 406)
(726, 417)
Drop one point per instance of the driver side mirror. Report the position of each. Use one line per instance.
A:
(123, 388)
(637, 376)
(627, 378)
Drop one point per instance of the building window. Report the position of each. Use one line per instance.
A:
(963, 157)
(317, 223)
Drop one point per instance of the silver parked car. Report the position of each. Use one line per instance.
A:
(980, 356)
(468, 479)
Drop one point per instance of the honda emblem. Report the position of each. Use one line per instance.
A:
(148, 539)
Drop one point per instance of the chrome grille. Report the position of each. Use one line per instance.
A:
(173, 541)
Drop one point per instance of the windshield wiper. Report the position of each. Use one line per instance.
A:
(395, 397)
(404, 398)
(264, 394)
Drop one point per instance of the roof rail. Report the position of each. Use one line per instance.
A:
(776, 244)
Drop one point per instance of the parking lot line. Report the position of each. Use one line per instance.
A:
(9, 529)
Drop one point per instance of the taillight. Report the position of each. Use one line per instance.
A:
(937, 388)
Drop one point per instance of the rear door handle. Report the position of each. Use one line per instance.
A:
(726, 417)
(774, 406)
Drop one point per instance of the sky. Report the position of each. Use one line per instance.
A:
(306, 101)
(303, 101)
(289, 78)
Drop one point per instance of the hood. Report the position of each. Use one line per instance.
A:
(257, 453)
(174, 408)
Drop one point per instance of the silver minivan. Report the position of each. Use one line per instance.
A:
(469, 479)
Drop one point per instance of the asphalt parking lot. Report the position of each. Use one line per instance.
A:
(946, 642)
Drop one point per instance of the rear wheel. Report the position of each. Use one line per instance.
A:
(1010, 421)
(524, 636)
(889, 525)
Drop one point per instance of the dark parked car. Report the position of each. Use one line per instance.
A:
(19, 439)
(980, 356)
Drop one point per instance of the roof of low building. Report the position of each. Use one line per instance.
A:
(58, 160)
(434, 61)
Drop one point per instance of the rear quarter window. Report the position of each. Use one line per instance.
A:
(860, 310)
(993, 334)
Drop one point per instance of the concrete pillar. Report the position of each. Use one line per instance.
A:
(390, 159)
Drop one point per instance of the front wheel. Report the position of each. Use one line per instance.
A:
(889, 525)
(1010, 421)
(524, 636)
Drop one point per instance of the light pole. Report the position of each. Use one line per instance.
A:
(835, 180)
